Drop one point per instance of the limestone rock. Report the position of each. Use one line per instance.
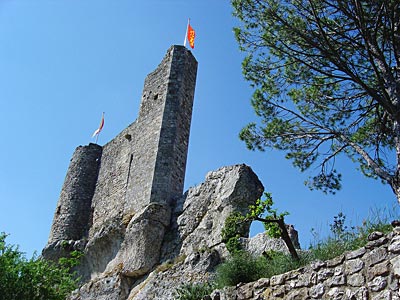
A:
(140, 250)
(105, 287)
(163, 282)
(101, 248)
(262, 243)
(207, 206)
(195, 234)
(183, 241)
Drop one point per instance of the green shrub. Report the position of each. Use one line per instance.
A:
(241, 267)
(33, 279)
(194, 291)
(280, 262)
(234, 228)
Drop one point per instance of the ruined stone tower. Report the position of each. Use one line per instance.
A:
(126, 188)
(122, 205)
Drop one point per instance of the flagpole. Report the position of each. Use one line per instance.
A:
(187, 27)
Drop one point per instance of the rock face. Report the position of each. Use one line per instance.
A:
(262, 243)
(207, 206)
(190, 249)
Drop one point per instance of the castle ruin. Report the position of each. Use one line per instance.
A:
(144, 166)
(122, 205)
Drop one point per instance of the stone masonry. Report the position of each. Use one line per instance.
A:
(113, 196)
(369, 273)
(71, 220)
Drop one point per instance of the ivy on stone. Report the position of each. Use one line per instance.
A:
(233, 229)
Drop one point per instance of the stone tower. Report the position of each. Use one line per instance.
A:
(113, 195)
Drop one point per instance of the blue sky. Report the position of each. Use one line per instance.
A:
(64, 62)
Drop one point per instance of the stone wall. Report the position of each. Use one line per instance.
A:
(371, 272)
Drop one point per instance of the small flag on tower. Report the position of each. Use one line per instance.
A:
(190, 35)
(97, 131)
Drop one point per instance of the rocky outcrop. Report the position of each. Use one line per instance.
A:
(371, 272)
(164, 247)
(205, 207)
(262, 243)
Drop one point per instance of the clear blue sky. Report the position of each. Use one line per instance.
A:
(64, 62)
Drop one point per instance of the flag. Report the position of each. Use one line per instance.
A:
(97, 131)
(190, 36)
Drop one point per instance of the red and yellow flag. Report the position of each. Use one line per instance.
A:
(191, 34)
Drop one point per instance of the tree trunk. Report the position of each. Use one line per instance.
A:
(284, 236)
(395, 182)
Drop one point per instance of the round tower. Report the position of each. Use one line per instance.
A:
(72, 216)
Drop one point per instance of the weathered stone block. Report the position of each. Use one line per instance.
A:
(108, 287)
(335, 293)
(396, 266)
(335, 261)
(353, 265)
(277, 279)
(356, 253)
(336, 280)
(356, 280)
(375, 235)
(245, 292)
(394, 245)
(377, 284)
(324, 274)
(375, 256)
(384, 295)
(317, 291)
(297, 294)
(141, 248)
(376, 243)
(381, 269)
(316, 265)
(262, 283)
